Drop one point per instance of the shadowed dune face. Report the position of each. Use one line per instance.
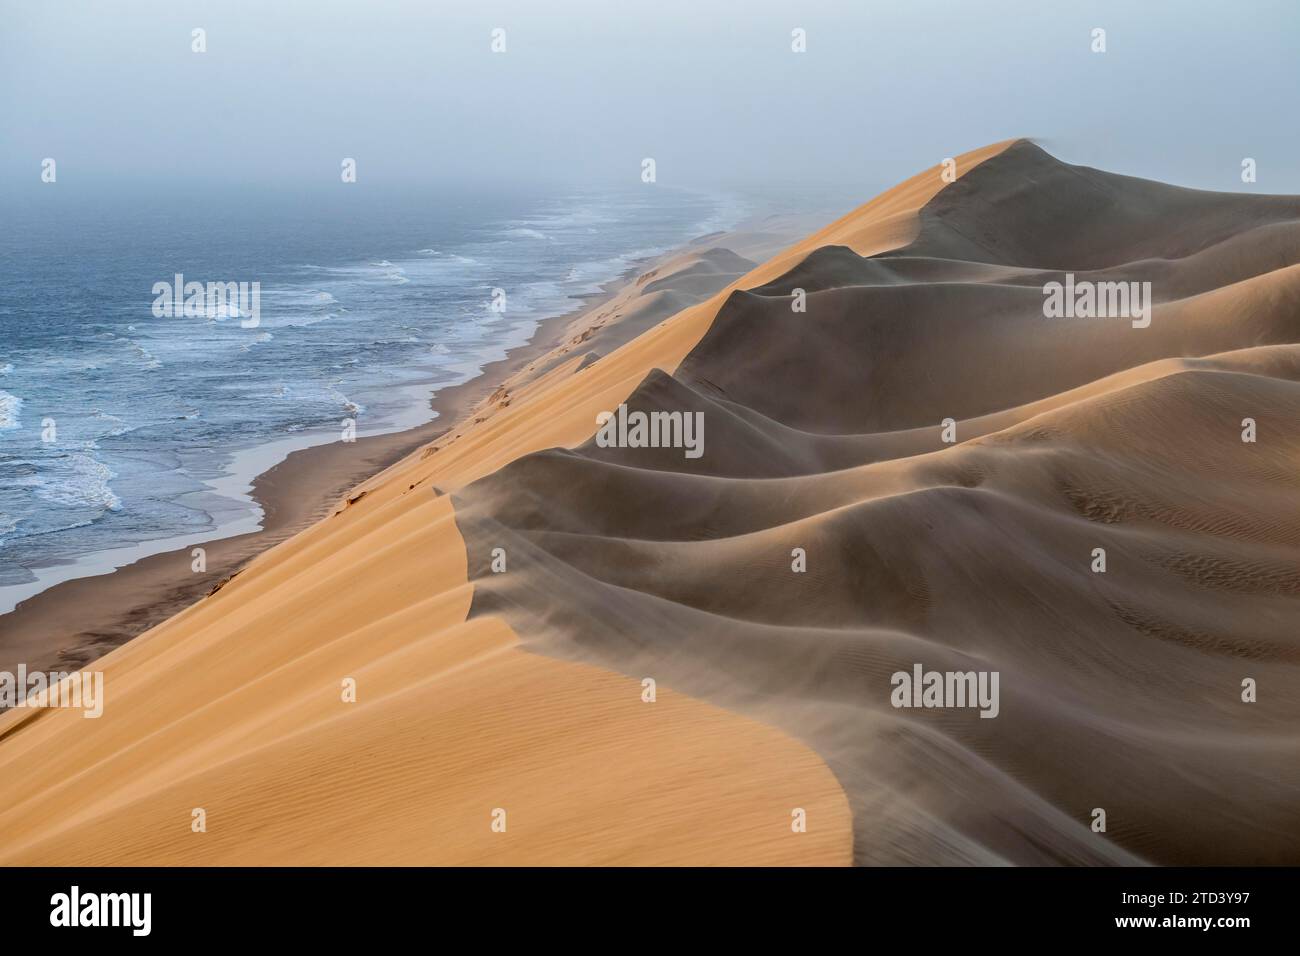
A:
(1119, 689)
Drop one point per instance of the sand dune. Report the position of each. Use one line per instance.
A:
(1119, 690)
(521, 689)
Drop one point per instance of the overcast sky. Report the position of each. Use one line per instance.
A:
(586, 88)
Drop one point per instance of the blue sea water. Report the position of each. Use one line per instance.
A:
(368, 306)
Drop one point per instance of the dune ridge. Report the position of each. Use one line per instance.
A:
(1119, 690)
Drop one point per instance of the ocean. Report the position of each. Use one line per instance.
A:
(124, 434)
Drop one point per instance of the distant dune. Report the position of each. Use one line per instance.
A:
(481, 689)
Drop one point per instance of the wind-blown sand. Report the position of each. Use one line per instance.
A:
(522, 689)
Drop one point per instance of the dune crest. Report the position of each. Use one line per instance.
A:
(1121, 688)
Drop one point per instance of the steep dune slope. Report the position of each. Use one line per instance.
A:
(1120, 690)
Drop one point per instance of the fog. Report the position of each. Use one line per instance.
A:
(585, 90)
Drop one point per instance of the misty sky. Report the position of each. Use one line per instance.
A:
(709, 88)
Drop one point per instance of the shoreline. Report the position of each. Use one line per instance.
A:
(74, 621)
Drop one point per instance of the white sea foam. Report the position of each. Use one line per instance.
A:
(581, 216)
(116, 426)
(729, 211)
(259, 339)
(447, 257)
(8, 524)
(150, 360)
(523, 232)
(79, 480)
(349, 406)
(391, 272)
